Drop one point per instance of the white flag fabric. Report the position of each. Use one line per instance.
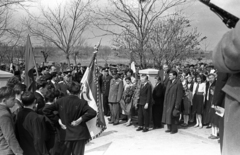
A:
(133, 67)
(91, 93)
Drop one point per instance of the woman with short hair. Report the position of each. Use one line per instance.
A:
(199, 91)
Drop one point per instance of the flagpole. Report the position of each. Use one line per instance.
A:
(34, 61)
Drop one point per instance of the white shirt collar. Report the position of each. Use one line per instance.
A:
(40, 93)
(53, 81)
(19, 100)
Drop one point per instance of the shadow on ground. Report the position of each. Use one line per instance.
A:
(108, 133)
(101, 148)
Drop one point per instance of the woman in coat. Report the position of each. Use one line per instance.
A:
(187, 103)
(126, 101)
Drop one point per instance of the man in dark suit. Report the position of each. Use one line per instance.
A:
(30, 127)
(73, 113)
(144, 104)
(172, 102)
(158, 98)
(39, 94)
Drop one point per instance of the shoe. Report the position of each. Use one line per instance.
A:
(110, 122)
(128, 124)
(209, 126)
(213, 137)
(139, 129)
(168, 131)
(195, 126)
(200, 127)
(184, 125)
(173, 132)
(116, 123)
(109, 119)
(145, 130)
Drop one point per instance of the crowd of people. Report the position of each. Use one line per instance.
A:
(185, 91)
(52, 119)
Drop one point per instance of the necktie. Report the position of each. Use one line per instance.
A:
(208, 90)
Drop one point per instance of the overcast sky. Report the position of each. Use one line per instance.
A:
(205, 20)
(201, 17)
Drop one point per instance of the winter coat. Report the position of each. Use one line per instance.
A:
(172, 100)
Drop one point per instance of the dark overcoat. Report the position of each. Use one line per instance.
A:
(172, 100)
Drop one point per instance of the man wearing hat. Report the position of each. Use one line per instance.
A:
(115, 95)
(104, 81)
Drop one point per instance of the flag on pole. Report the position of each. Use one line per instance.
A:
(133, 67)
(30, 64)
(91, 93)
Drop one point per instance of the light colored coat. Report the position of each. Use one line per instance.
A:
(226, 58)
(115, 91)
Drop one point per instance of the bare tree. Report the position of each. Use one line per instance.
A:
(173, 40)
(62, 26)
(6, 8)
(78, 50)
(8, 3)
(136, 21)
(47, 49)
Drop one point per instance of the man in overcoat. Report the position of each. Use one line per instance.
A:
(158, 98)
(226, 58)
(114, 97)
(172, 102)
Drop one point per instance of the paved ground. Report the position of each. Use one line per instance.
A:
(122, 140)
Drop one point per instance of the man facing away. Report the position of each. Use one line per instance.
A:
(30, 127)
(172, 101)
(8, 142)
(73, 114)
